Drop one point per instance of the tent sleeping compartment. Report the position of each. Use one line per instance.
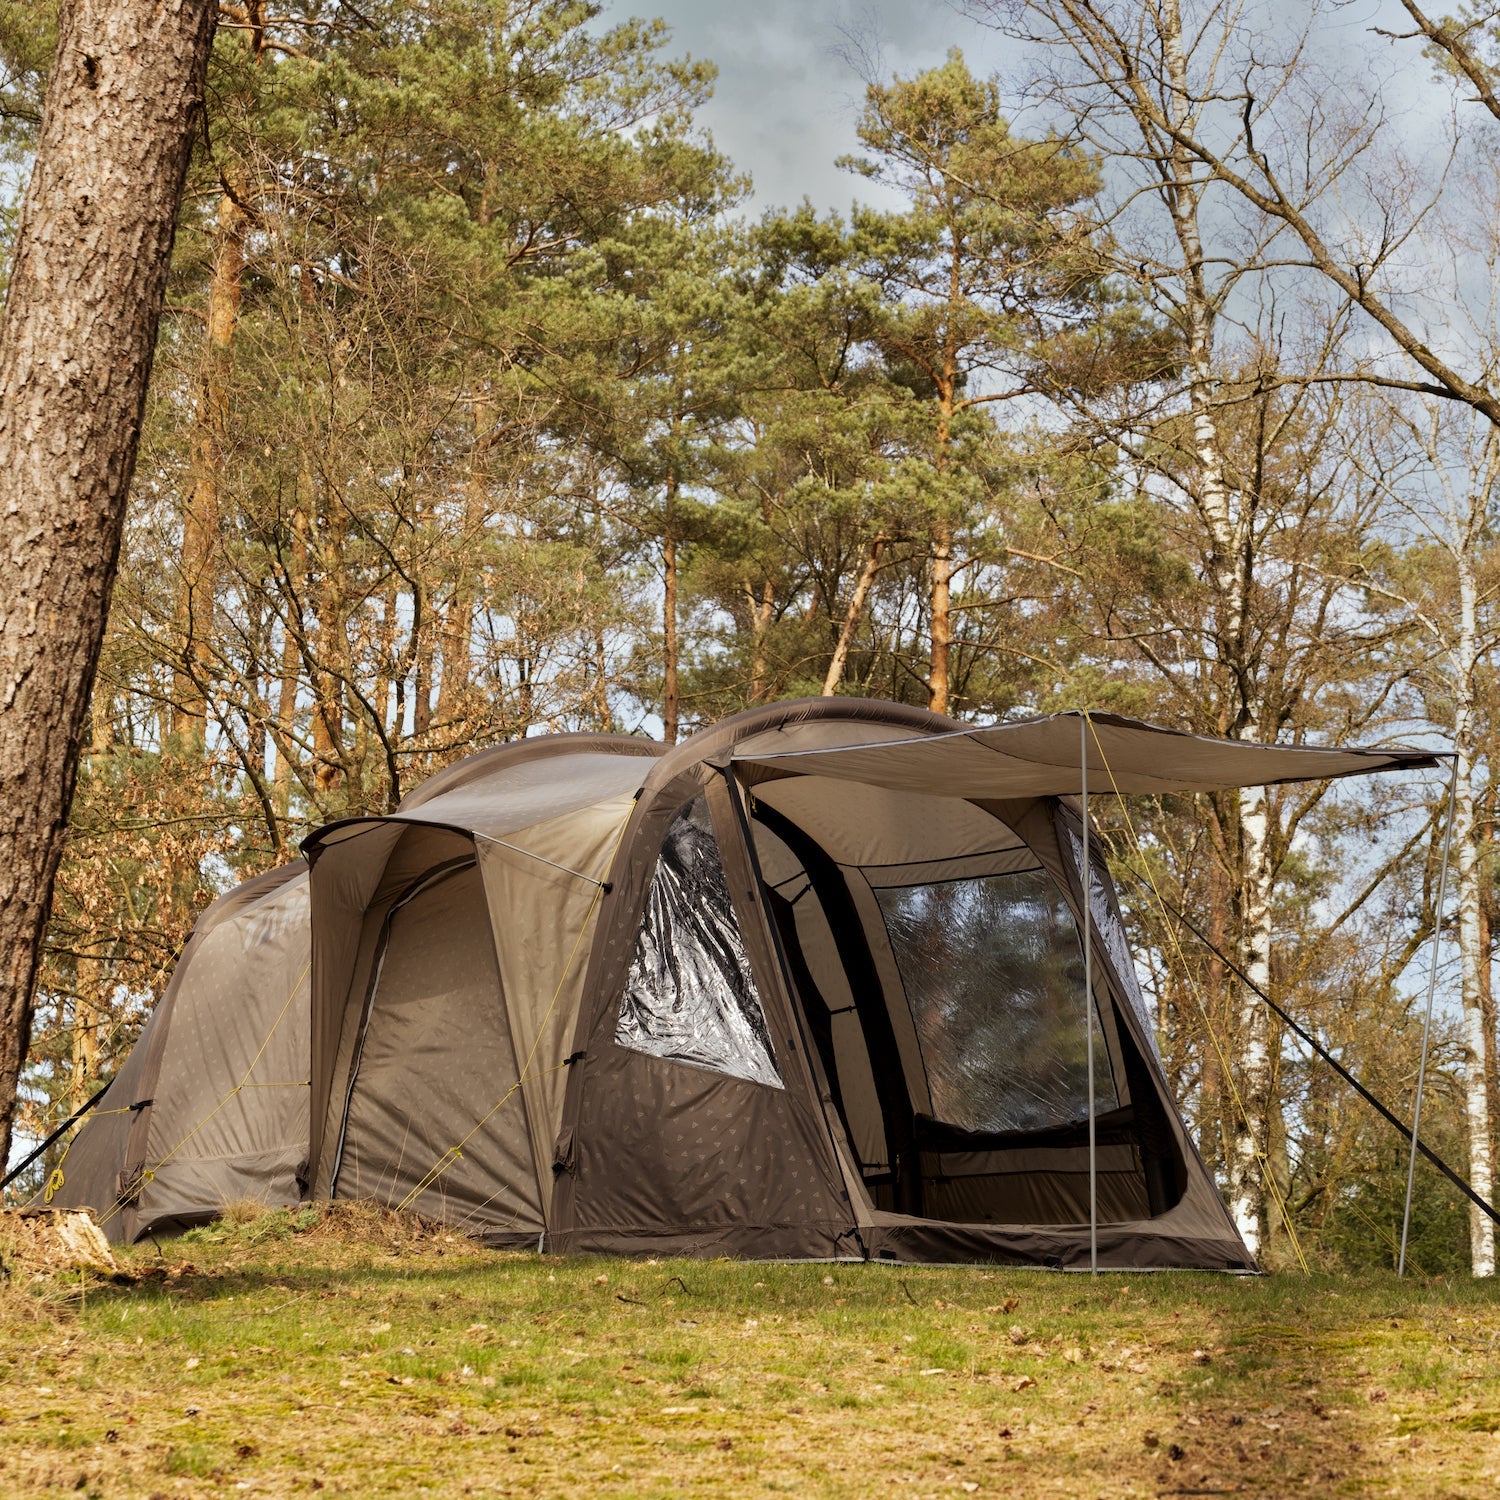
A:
(810, 985)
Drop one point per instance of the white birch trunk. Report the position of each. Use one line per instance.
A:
(1247, 1200)
(1470, 935)
(1231, 569)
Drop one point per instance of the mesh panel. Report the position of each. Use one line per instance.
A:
(993, 971)
(689, 995)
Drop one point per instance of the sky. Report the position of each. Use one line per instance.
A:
(789, 91)
(790, 87)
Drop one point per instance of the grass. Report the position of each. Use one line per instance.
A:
(355, 1353)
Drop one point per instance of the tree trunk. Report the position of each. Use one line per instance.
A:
(760, 621)
(1486, 985)
(669, 691)
(458, 618)
(851, 618)
(1232, 573)
(942, 619)
(197, 585)
(87, 280)
(421, 687)
(88, 1012)
(1470, 936)
(1247, 1195)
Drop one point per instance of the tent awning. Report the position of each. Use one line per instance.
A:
(1040, 758)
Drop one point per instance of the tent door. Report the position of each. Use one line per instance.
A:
(876, 1060)
(983, 1126)
(433, 1119)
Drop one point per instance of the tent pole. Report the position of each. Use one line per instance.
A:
(1432, 968)
(1088, 997)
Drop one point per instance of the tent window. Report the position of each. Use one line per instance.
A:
(993, 971)
(1109, 925)
(689, 995)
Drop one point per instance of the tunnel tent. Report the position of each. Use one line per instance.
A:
(807, 985)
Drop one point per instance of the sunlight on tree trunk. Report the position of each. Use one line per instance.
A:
(87, 278)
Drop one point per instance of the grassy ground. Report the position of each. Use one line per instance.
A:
(359, 1355)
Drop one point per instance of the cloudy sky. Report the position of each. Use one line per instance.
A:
(788, 93)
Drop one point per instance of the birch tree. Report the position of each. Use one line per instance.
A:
(1447, 579)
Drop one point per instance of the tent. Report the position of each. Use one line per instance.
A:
(832, 979)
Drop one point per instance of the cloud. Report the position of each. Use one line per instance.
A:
(790, 84)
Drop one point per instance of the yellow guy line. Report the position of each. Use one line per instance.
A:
(1268, 1176)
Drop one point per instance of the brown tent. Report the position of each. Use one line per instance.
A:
(808, 985)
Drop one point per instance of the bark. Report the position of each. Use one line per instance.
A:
(1231, 568)
(1470, 927)
(942, 620)
(458, 619)
(198, 582)
(88, 1011)
(1254, 1128)
(760, 622)
(329, 669)
(851, 618)
(1486, 985)
(599, 691)
(87, 280)
(284, 735)
(670, 712)
(421, 690)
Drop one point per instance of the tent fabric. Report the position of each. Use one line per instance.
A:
(171, 1110)
(1041, 758)
(434, 1059)
(542, 917)
(807, 985)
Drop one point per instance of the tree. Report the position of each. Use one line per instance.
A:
(1174, 105)
(1445, 579)
(89, 270)
(992, 291)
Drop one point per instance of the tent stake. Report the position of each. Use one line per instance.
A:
(1088, 996)
(1432, 968)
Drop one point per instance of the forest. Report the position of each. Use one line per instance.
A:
(1159, 378)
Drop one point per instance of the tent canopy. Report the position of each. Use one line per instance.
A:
(1040, 758)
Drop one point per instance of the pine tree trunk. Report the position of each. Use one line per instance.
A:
(942, 620)
(87, 281)
(851, 618)
(669, 690)
(760, 622)
(88, 1011)
(458, 618)
(328, 670)
(197, 584)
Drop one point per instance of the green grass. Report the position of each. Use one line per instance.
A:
(355, 1354)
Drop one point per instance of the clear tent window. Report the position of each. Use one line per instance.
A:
(993, 972)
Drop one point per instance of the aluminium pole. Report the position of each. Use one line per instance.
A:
(1432, 968)
(1088, 996)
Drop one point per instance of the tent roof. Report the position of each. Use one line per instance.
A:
(512, 787)
(1040, 758)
